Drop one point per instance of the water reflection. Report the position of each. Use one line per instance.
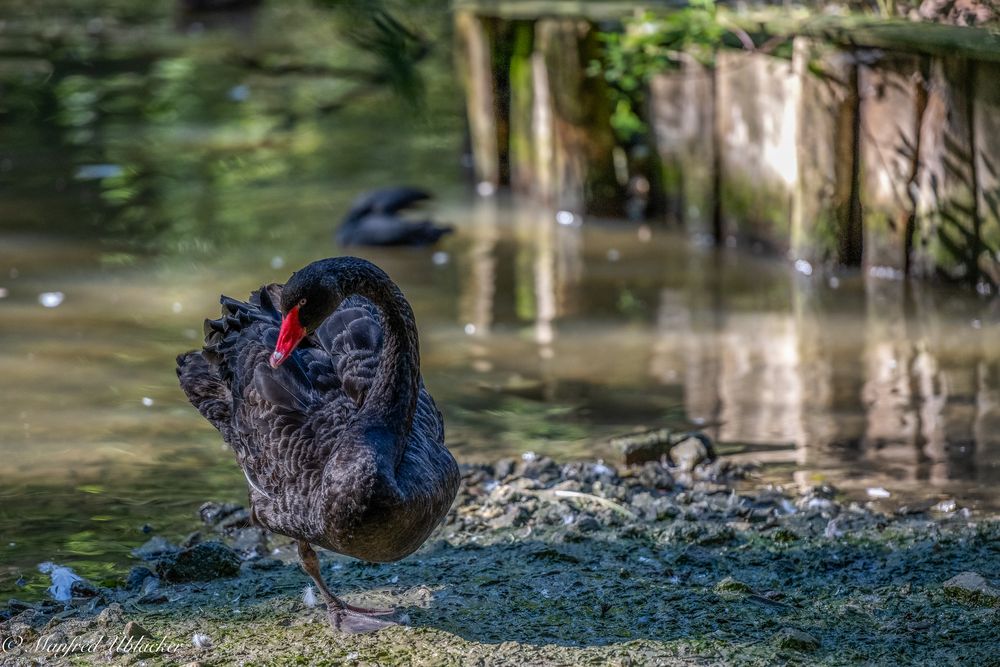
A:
(839, 378)
(534, 337)
(152, 192)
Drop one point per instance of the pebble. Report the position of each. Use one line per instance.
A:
(973, 588)
(202, 562)
(154, 548)
(946, 506)
(797, 640)
(250, 542)
(691, 451)
(137, 577)
(136, 631)
(731, 586)
(110, 615)
(213, 513)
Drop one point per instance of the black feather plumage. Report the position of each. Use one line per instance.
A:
(341, 445)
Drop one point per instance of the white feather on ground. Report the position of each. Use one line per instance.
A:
(309, 597)
(63, 579)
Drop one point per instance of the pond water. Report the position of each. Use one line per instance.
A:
(143, 173)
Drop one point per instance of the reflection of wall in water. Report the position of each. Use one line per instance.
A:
(760, 387)
(889, 393)
(546, 266)
(918, 401)
(986, 429)
(550, 265)
(833, 413)
(479, 266)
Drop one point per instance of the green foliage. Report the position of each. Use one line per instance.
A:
(653, 43)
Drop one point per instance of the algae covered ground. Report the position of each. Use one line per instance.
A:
(574, 564)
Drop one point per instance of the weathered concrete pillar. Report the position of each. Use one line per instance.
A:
(986, 140)
(682, 115)
(826, 218)
(578, 108)
(893, 97)
(945, 240)
(523, 168)
(474, 60)
(757, 110)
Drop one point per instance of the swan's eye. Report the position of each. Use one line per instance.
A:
(302, 302)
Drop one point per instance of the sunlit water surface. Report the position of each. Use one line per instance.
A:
(535, 337)
(141, 202)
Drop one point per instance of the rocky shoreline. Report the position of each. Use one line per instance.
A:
(575, 563)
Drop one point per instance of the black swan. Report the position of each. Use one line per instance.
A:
(341, 444)
(374, 220)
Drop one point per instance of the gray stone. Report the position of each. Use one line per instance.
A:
(514, 516)
(110, 615)
(797, 640)
(250, 542)
(504, 468)
(643, 447)
(136, 631)
(202, 562)
(973, 588)
(213, 513)
(730, 586)
(262, 564)
(136, 577)
(692, 450)
(155, 548)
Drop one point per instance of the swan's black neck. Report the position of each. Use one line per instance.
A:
(392, 398)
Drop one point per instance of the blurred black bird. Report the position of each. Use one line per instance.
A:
(216, 5)
(375, 219)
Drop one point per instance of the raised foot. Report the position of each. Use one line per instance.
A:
(356, 620)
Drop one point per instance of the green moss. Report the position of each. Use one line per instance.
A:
(521, 99)
(883, 242)
(731, 586)
(756, 211)
(617, 594)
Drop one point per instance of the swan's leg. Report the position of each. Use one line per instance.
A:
(344, 616)
(310, 563)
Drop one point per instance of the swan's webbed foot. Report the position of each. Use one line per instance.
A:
(356, 620)
(344, 617)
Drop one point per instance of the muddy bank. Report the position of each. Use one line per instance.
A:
(582, 563)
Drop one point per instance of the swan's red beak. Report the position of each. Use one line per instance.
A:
(292, 332)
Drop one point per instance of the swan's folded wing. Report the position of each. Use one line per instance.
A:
(352, 341)
(205, 389)
(287, 387)
(238, 345)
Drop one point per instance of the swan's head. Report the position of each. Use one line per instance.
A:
(307, 299)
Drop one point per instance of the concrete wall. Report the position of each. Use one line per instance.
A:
(837, 156)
